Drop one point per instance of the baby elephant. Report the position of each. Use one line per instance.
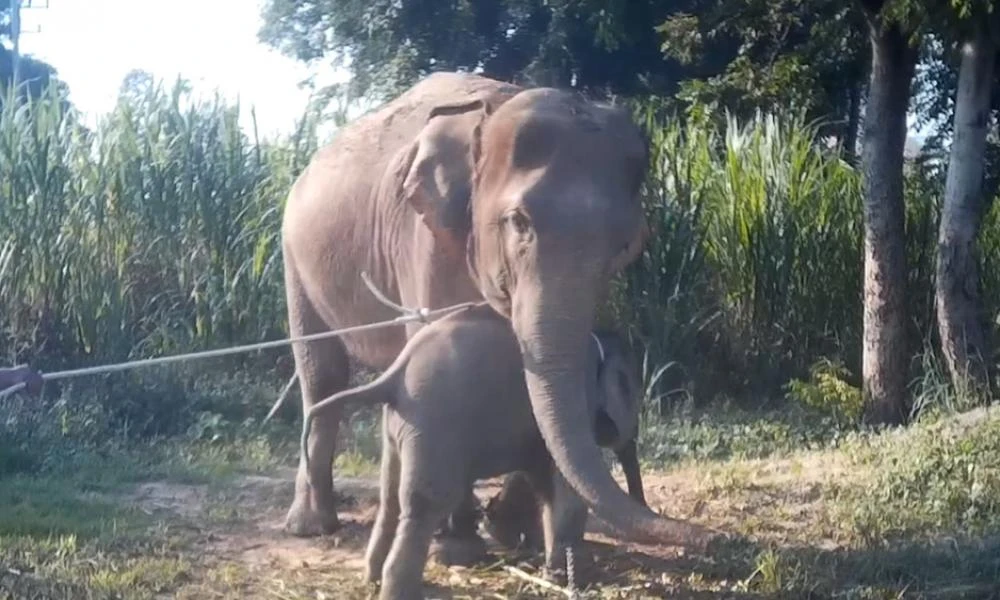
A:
(457, 410)
(513, 516)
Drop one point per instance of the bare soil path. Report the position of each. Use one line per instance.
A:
(236, 533)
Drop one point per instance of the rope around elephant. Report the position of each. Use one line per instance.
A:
(408, 315)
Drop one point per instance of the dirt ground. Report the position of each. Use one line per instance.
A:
(236, 533)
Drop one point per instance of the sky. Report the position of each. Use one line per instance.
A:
(93, 44)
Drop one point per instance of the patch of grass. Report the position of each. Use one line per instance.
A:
(307, 582)
(57, 539)
(788, 505)
(723, 431)
(825, 509)
(98, 468)
(45, 507)
(355, 464)
(936, 478)
(957, 569)
(65, 532)
(151, 575)
(898, 513)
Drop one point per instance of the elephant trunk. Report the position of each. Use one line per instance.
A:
(553, 330)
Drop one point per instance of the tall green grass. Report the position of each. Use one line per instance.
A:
(753, 276)
(753, 271)
(158, 231)
(154, 232)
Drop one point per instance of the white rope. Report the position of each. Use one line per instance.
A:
(422, 315)
(17, 387)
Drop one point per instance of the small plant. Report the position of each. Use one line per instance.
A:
(828, 391)
(768, 574)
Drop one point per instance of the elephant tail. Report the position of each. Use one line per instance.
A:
(369, 394)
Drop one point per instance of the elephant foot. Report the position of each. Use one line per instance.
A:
(371, 575)
(463, 551)
(556, 570)
(305, 520)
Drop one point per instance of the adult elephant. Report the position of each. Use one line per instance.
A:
(460, 189)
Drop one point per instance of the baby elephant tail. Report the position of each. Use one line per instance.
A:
(368, 394)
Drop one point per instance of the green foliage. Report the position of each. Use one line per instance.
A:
(787, 219)
(724, 432)
(944, 478)
(753, 268)
(827, 390)
(388, 45)
(156, 232)
(809, 55)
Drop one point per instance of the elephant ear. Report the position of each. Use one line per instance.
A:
(622, 389)
(441, 161)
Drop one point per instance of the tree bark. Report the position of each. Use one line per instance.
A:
(884, 351)
(959, 305)
(853, 120)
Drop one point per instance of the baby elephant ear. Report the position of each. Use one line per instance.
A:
(621, 400)
(439, 168)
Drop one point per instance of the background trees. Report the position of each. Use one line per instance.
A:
(815, 262)
(36, 76)
(858, 71)
(780, 245)
(961, 320)
(589, 44)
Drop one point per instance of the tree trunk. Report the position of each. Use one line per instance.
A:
(853, 121)
(884, 352)
(958, 302)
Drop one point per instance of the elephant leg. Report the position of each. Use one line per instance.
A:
(387, 519)
(456, 541)
(564, 522)
(513, 504)
(522, 527)
(628, 457)
(323, 370)
(420, 514)
(403, 573)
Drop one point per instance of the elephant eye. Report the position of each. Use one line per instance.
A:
(519, 221)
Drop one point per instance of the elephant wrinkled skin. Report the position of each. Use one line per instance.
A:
(462, 189)
(457, 410)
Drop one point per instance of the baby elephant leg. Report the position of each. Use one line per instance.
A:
(425, 498)
(387, 518)
(628, 456)
(513, 516)
(403, 573)
(564, 522)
